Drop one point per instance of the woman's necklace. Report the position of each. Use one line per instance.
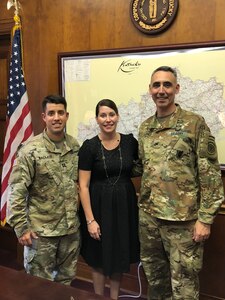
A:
(105, 166)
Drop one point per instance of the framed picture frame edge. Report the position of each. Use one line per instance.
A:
(141, 49)
(133, 50)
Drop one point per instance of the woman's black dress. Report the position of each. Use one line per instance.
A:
(114, 205)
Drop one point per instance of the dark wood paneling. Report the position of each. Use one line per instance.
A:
(3, 77)
(4, 64)
(2, 137)
(8, 239)
(54, 26)
(212, 277)
(21, 286)
(6, 23)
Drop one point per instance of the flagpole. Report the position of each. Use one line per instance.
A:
(17, 7)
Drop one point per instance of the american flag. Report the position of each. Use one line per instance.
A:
(18, 119)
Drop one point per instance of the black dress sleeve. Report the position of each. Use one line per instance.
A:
(134, 145)
(86, 155)
(137, 168)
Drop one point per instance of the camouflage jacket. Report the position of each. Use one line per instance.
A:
(43, 188)
(181, 177)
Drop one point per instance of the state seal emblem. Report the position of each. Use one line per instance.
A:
(153, 16)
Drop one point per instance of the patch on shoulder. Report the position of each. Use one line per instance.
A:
(211, 146)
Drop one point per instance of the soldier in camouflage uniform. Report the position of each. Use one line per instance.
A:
(181, 192)
(44, 197)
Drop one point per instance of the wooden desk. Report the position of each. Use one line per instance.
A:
(17, 285)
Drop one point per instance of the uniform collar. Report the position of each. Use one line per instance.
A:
(174, 121)
(50, 145)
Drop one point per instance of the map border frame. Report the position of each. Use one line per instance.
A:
(104, 53)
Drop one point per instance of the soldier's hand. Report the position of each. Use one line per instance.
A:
(201, 231)
(26, 238)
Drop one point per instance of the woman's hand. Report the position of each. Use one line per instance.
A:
(94, 230)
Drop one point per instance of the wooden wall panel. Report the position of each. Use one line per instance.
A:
(4, 62)
(53, 26)
(3, 78)
(212, 276)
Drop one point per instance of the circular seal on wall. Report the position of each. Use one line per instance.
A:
(153, 16)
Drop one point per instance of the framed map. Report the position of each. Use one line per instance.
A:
(123, 75)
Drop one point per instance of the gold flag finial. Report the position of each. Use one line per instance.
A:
(16, 5)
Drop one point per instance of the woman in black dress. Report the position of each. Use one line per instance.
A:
(109, 213)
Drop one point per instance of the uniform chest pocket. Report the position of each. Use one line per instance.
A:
(70, 168)
(181, 149)
(44, 175)
(42, 170)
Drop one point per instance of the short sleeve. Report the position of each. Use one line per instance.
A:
(86, 156)
(134, 146)
(137, 169)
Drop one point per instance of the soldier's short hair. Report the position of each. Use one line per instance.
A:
(166, 69)
(56, 99)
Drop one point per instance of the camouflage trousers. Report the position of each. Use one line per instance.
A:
(53, 258)
(170, 258)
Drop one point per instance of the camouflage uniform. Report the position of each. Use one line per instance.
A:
(44, 199)
(181, 183)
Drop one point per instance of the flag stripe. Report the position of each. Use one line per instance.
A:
(17, 131)
(17, 114)
(13, 145)
(22, 136)
(18, 119)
